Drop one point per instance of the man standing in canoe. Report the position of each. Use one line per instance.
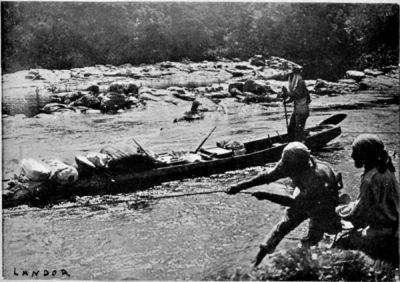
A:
(298, 93)
(315, 197)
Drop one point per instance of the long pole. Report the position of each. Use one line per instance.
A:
(286, 117)
(141, 148)
(205, 139)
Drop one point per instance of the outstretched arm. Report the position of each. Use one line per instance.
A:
(279, 199)
(276, 173)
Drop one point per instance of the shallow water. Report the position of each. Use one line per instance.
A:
(185, 238)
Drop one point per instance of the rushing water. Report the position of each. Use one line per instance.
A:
(176, 238)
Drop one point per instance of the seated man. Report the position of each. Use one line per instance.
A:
(315, 197)
(375, 213)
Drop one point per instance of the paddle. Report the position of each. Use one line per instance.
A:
(205, 139)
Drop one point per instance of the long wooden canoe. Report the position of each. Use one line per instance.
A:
(210, 161)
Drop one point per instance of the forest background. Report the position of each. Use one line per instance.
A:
(327, 39)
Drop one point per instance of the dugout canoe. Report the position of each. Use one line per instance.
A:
(212, 160)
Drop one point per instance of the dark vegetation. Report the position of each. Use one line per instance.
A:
(316, 264)
(326, 39)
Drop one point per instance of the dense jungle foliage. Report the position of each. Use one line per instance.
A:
(326, 39)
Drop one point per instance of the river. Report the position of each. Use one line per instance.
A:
(186, 238)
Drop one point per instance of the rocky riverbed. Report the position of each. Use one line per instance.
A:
(189, 238)
(111, 89)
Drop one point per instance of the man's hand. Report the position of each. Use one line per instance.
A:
(234, 189)
(284, 93)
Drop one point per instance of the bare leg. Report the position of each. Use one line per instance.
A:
(289, 222)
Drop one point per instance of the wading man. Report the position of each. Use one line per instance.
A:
(193, 114)
(298, 93)
(375, 213)
(315, 197)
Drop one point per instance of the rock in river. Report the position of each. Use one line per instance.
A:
(356, 75)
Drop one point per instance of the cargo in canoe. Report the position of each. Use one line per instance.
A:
(169, 167)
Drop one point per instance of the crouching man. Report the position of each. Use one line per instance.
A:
(315, 197)
(375, 213)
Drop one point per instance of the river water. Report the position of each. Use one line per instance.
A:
(186, 238)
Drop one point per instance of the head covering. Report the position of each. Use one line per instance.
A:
(297, 68)
(372, 147)
(295, 153)
(195, 105)
(369, 144)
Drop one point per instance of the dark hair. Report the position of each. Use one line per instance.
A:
(374, 151)
(384, 162)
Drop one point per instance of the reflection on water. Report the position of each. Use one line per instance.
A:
(184, 238)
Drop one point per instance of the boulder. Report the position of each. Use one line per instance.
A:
(237, 73)
(213, 88)
(54, 107)
(131, 101)
(55, 99)
(124, 88)
(93, 88)
(257, 87)
(218, 95)
(372, 72)
(148, 97)
(320, 83)
(248, 97)
(112, 101)
(237, 85)
(347, 81)
(167, 64)
(243, 67)
(186, 96)
(356, 75)
(71, 96)
(257, 60)
(87, 100)
(176, 89)
(30, 76)
(236, 92)
(132, 88)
